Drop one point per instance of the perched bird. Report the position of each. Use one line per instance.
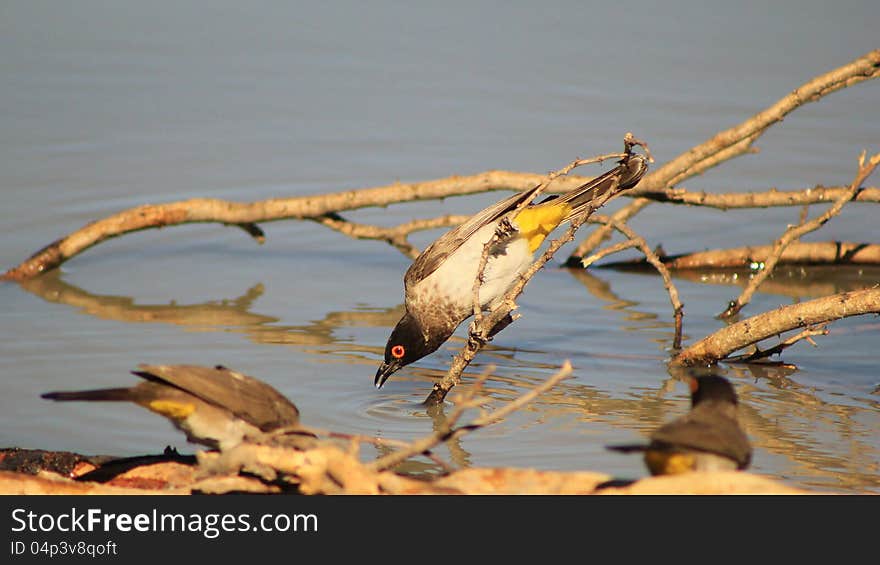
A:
(213, 406)
(438, 286)
(708, 438)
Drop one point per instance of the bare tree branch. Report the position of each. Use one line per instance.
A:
(396, 236)
(356, 439)
(449, 431)
(759, 354)
(737, 140)
(721, 147)
(734, 337)
(247, 214)
(638, 241)
(760, 199)
(793, 233)
(752, 257)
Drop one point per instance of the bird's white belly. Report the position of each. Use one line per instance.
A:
(453, 281)
(218, 426)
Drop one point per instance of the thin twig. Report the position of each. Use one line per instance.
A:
(793, 233)
(636, 240)
(723, 342)
(723, 146)
(356, 438)
(449, 431)
(602, 233)
(396, 236)
(738, 139)
(606, 251)
(759, 354)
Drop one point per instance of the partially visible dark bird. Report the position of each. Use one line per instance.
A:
(708, 438)
(438, 286)
(213, 406)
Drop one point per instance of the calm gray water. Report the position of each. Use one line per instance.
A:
(110, 105)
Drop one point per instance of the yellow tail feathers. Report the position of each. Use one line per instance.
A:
(535, 222)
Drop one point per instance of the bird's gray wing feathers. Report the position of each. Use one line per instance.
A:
(445, 245)
(248, 398)
(591, 194)
(706, 431)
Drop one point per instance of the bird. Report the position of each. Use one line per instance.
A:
(438, 286)
(708, 438)
(214, 406)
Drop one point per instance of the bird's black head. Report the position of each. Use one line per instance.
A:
(406, 345)
(711, 387)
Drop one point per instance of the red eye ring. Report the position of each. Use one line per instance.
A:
(398, 351)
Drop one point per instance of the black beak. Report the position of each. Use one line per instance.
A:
(385, 371)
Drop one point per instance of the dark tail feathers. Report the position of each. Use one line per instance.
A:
(601, 189)
(107, 394)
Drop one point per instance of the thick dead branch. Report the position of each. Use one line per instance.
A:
(723, 146)
(602, 233)
(478, 481)
(759, 354)
(247, 214)
(760, 199)
(720, 344)
(737, 140)
(793, 233)
(355, 440)
(396, 236)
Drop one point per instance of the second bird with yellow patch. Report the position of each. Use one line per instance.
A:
(213, 406)
(438, 286)
(708, 438)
